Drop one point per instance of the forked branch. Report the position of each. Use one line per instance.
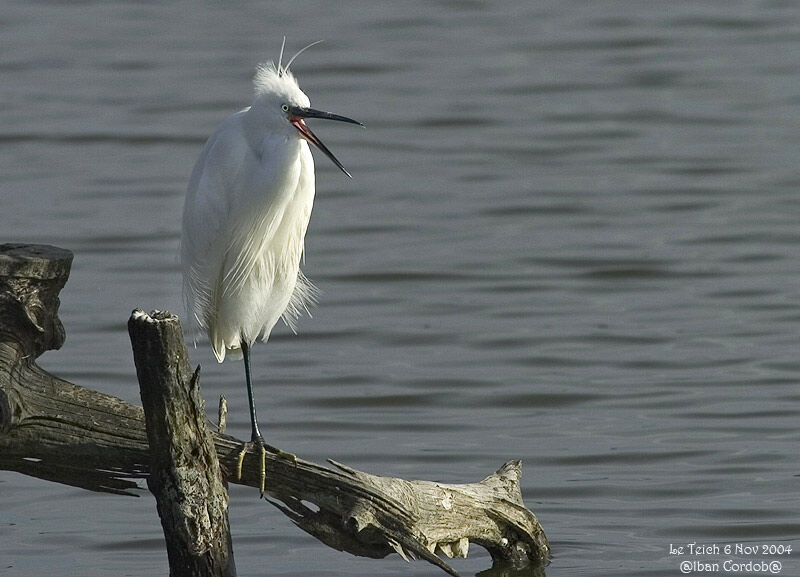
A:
(52, 429)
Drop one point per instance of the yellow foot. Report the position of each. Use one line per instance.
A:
(291, 457)
(263, 469)
(263, 474)
(240, 460)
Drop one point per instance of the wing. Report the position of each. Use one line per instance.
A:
(234, 207)
(206, 217)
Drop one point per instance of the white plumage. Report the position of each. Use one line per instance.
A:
(245, 218)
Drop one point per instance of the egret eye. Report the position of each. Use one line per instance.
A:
(285, 107)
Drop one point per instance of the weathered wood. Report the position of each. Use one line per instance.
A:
(31, 276)
(185, 477)
(52, 429)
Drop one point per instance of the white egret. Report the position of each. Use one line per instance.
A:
(245, 218)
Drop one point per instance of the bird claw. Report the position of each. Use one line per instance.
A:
(264, 447)
(291, 457)
(262, 468)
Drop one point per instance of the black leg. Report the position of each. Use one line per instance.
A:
(255, 433)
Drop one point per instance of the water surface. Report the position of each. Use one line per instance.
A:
(571, 238)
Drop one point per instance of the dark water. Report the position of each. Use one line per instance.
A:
(571, 238)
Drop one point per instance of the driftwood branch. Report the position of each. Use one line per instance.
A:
(55, 430)
(185, 476)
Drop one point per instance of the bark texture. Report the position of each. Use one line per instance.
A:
(55, 430)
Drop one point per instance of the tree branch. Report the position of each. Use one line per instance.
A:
(185, 478)
(55, 430)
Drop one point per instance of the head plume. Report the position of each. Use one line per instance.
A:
(270, 78)
(285, 69)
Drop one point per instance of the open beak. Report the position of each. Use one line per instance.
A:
(297, 116)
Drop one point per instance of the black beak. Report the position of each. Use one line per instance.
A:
(297, 115)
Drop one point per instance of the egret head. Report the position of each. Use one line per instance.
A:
(278, 93)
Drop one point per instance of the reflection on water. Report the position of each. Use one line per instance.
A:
(570, 238)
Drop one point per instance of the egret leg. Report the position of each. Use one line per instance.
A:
(255, 434)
